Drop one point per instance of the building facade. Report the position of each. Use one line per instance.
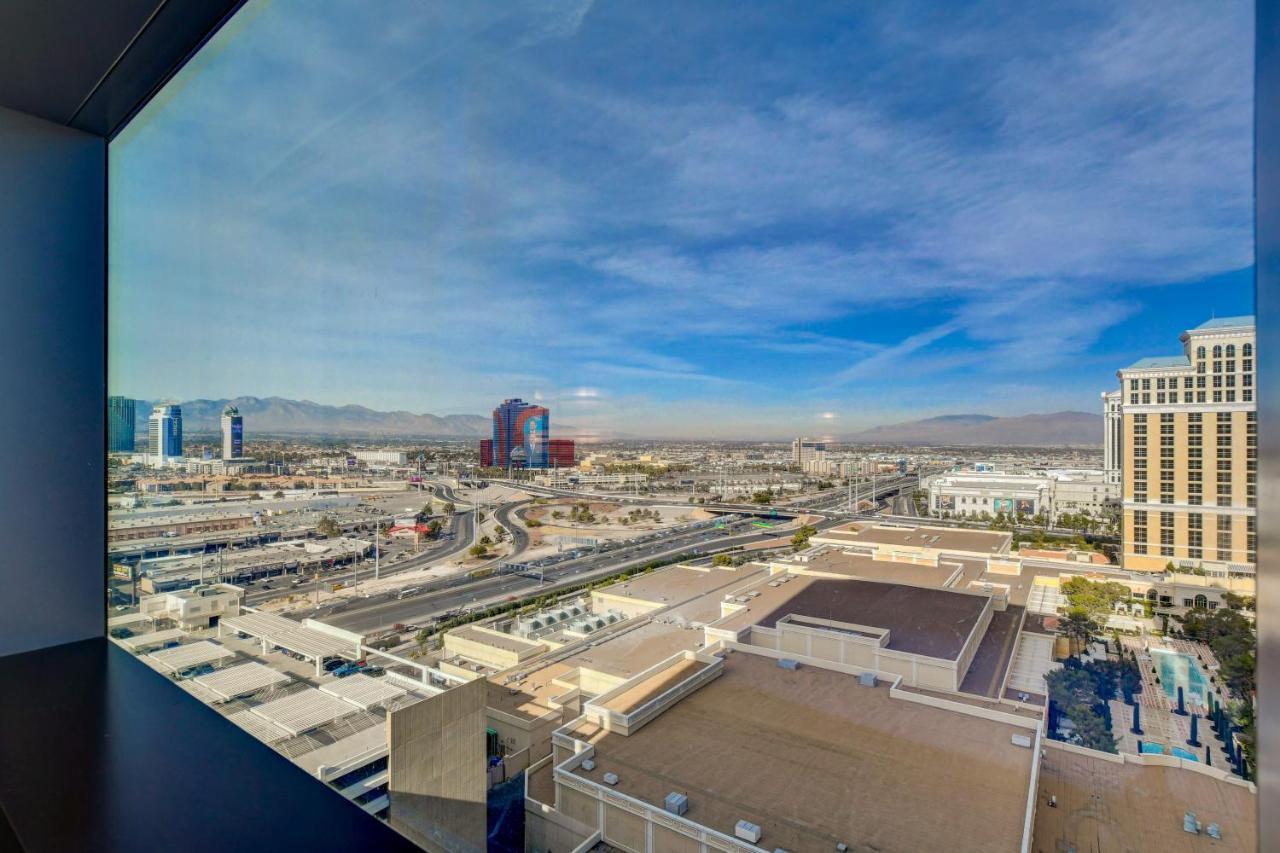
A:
(804, 449)
(382, 457)
(972, 493)
(164, 433)
(521, 435)
(1189, 453)
(560, 453)
(486, 453)
(232, 433)
(120, 424)
(1112, 431)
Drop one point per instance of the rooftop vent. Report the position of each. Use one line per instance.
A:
(611, 778)
(788, 663)
(676, 803)
(747, 831)
(1190, 824)
(867, 679)
(588, 764)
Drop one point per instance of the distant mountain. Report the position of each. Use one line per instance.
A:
(1051, 430)
(278, 416)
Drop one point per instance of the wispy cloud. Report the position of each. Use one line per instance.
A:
(560, 196)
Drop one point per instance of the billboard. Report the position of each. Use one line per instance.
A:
(947, 503)
(1025, 506)
(1001, 505)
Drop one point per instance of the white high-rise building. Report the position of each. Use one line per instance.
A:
(164, 433)
(1113, 434)
(232, 433)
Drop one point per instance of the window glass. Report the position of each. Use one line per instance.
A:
(532, 354)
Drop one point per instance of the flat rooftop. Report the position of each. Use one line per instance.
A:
(815, 759)
(931, 622)
(1103, 805)
(653, 686)
(498, 640)
(622, 656)
(678, 584)
(832, 560)
(629, 653)
(938, 538)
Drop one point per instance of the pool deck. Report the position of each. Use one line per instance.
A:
(1159, 723)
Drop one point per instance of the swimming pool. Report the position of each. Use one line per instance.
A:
(1177, 669)
(1149, 748)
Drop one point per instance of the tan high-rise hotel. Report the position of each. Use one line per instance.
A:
(1189, 454)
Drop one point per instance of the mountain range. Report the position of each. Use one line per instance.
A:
(1047, 430)
(278, 416)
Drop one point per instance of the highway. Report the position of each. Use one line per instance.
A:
(458, 592)
(455, 593)
(442, 549)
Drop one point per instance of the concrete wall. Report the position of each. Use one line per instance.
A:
(52, 375)
(436, 759)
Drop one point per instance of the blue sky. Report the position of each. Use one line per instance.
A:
(685, 219)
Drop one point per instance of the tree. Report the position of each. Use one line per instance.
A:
(1094, 597)
(448, 508)
(800, 540)
(328, 527)
(434, 527)
(427, 509)
(1079, 625)
(477, 551)
(278, 495)
(762, 497)
(722, 560)
(485, 540)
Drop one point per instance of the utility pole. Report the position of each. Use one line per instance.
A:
(377, 548)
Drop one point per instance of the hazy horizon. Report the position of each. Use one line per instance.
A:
(673, 220)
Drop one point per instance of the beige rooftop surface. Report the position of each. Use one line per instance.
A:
(845, 564)
(654, 686)
(814, 759)
(678, 584)
(1105, 806)
(939, 538)
(631, 652)
(497, 640)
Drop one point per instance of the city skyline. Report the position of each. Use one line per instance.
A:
(752, 231)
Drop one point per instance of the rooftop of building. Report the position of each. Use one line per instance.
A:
(620, 656)
(1160, 361)
(938, 538)
(1106, 805)
(931, 622)
(496, 639)
(833, 560)
(678, 584)
(814, 759)
(1239, 321)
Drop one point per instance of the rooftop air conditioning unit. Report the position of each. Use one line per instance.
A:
(611, 778)
(747, 831)
(588, 764)
(676, 803)
(867, 679)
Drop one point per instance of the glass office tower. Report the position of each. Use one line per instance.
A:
(121, 412)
